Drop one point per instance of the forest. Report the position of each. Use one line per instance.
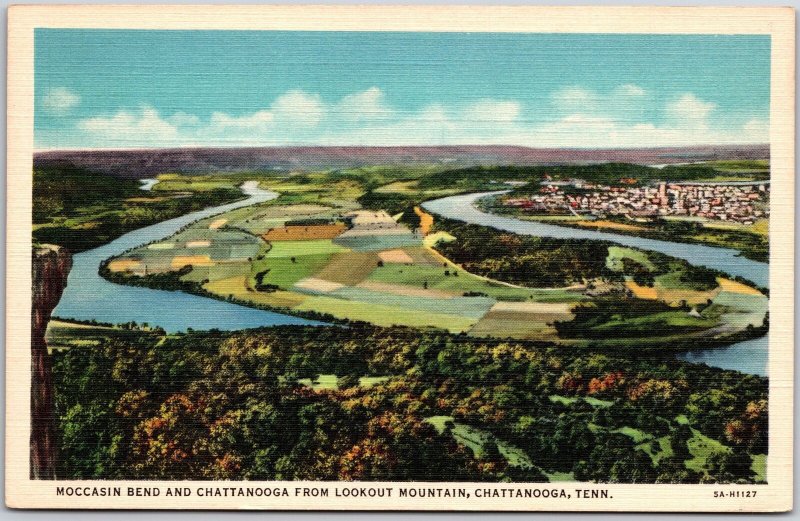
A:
(368, 403)
(80, 210)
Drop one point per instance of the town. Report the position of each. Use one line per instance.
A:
(735, 202)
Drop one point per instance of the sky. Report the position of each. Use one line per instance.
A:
(148, 89)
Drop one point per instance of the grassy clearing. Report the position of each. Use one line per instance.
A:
(217, 272)
(528, 320)
(237, 287)
(556, 477)
(399, 187)
(617, 253)
(516, 329)
(701, 447)
(300, 248)
(464, 306)
(181, 183)
(760, 227)
(475, 439)
(638, 436)
(739, 165)
(434, 278)
(671, 280)
(384, 315)
(349, 268)
(330, 382)
(655, 322)
(565, 400)
(64, 334)
(283, 272)
(595, 402)
(431, 240)
(759, 466)
(569, 400)
(658, 449)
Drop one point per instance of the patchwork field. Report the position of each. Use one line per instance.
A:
(349, 267)
(362, 265)
(304, 233)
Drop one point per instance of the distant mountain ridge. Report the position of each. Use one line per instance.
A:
(143, 163)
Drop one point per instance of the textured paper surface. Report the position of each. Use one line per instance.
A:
(778, 23)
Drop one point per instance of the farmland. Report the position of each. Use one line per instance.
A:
(469, 354)
(317, 250)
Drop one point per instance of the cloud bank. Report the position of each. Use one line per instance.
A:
(625, 116)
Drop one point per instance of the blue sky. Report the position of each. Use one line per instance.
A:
(130, 89)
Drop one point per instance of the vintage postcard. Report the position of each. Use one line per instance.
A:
(400, 258)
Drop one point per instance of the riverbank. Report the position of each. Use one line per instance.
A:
(752, 241)
(88, 296)
(741, 356)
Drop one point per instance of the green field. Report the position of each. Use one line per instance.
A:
(388, 278)
(288, 249)
(475, 439)
(384, 315)
(284, 272)
(617, 253)
(533, 400)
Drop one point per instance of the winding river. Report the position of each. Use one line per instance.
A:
(462, 208)
(748, 357)
(88, 296)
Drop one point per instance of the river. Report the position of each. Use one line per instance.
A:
(748, 357)
(88, 296)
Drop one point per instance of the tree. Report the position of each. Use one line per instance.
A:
(347, 381)
(679, 440)
(673, 470)
(730, 466)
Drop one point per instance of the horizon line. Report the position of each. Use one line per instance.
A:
(576, 148)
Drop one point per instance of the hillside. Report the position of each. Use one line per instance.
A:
(139, 164)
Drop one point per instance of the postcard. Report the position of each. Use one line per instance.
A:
(400, 258)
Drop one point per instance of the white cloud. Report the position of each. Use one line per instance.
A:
(299, 107)
(690, 107)
(59, 101)
(629, 89)
(365, 118)
(571, 94)
(625, 102)
(574, 98)
(368, 105)
(182, 119)
(145, 128)
(260, 120)
(757, 127)
(490, 110)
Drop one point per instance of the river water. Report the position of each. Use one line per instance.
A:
(748, 357)
(89, 296)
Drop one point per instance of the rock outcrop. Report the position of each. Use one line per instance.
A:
(50, 267)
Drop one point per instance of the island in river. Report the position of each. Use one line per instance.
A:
(470, 353)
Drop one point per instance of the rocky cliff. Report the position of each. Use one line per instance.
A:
(50, 267)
